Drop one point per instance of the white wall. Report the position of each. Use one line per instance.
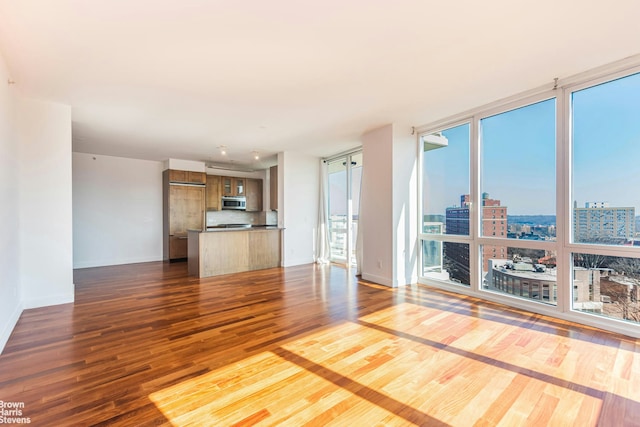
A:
(376, 206)
(117, 210)
(405, 204)
(184, 165)
(10, 304)
(259, 174)
(389, 206)
(299, 181)
(46, 248)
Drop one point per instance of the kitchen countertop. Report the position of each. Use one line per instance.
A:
(223, 229)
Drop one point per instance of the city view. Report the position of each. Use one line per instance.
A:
(605, 285)
(517, 177)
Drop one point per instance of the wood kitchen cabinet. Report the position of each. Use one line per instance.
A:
(254, 195)
(183, 209)
(214, 192)
(187, 177)
(249, 250)
(233, 186)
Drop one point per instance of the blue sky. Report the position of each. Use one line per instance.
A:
(446, 172)
(519, 158)
(518, 154)
(607, 143)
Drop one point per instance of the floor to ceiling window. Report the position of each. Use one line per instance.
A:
(533, 202)
(518, 201)
(445, 198)
(605, 165)
(345, 175)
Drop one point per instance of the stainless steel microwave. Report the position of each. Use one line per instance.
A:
(238, 203)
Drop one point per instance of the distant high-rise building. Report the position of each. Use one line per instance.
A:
(494, 224)
(457, 221)
(596, 205)
(597, 222)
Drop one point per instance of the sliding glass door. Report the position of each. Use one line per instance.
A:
(345, 174)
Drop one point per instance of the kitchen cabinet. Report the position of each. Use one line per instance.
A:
(246, 250)
(273, 188)
(187, 177)
(213, 192)
(233, 186)
(183, 209)
(254, 195)
(177, 247)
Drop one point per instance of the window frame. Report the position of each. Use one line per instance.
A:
(564, 246)
(625, 251)
(444, 238)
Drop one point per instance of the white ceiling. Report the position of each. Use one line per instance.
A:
(158, 79)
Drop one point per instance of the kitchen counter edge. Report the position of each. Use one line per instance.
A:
(249, 229)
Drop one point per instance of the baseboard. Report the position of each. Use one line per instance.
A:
(379, 280)
(47, 301)
(106, 263)
(8, 328)
(300, 261)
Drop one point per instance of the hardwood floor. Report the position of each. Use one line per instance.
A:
(146, 345)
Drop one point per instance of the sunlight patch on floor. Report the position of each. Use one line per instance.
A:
(401, 365)
(265, 389)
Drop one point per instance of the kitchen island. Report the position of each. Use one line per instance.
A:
(219, 251)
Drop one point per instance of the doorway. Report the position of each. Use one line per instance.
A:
(345, 176)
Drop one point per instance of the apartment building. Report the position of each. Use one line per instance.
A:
(494, 224)
(599, 222)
